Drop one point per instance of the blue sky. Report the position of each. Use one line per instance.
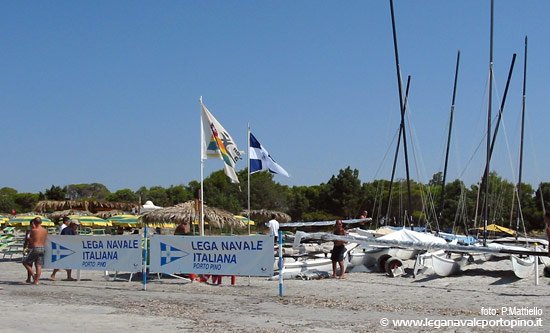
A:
(103, 91)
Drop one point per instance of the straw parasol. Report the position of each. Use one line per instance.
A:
(58, 215)
(264, 215)
(186, 212)
(91, 206)
(106, 214)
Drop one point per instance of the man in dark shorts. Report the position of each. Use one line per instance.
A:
(37, 241)
(338, 250)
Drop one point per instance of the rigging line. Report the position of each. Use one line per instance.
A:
(379, 168)
(459, 206)
(377, 196)
(537, 165)
(480, 112)
(515, 180)
(473, 155)
(386, 153)
(511, 218)
(424, 190)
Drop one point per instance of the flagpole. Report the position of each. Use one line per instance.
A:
(202, 177)
(248, 155)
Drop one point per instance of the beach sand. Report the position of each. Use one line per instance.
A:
(359, 303)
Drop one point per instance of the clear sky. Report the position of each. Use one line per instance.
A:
(107, 91)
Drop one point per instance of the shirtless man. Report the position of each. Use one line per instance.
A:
(37, 241)
(182, 229)
(338, 250)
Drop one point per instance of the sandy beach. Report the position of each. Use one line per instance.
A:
(363, 302)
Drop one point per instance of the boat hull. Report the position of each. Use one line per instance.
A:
(522, 267)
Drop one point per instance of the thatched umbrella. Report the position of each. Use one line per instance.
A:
(106, 214)
(186, 212)
(264, 215)
(58, 215)
(91, 206)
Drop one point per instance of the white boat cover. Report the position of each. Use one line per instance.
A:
(419, 245)
(413, 236)
(320, 223)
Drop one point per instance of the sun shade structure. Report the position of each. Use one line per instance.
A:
(186, 212)
(90, 221)
(91, 206)
(245, 220)
(264, 215)
(107, 214)
(125, 220)
(497, 228)
(58, 215)
(25, 221)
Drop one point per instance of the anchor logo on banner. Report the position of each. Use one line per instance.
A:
(59, 252)
(168, 254)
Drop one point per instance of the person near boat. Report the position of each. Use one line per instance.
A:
(273, 227)
(338, 250)
(37, 240)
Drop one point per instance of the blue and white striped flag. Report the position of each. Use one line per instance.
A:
(260, 159)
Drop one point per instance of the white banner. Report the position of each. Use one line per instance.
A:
(96, 253)
(223, 255)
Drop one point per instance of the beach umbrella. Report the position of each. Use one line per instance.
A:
(25, 221)
(90, 221)
(106, 214)
(245, 220)
(125, 220)
(58, 215)
(187, 212)
(264, 215)
(84, 205)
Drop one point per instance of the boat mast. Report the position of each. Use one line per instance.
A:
(499, 118)
(501, 110)
(522, 128)
(397, 152)
(402, 105)
(487, 165)
(449, 137)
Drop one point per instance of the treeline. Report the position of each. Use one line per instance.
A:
(342, 196)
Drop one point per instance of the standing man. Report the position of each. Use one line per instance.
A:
(69, 231)
(37, 240)
(64, 224)
(338, 250)
(273, 226)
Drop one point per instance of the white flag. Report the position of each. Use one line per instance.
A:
(260, 159)
(218, 144)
